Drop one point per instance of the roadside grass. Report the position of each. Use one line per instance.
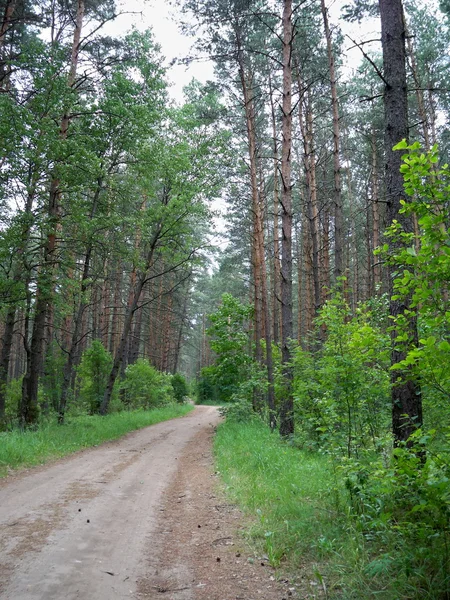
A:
(299, 518)
(27, 448)
(293, 495)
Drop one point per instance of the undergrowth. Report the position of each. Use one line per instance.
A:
(27, 448)
(301, 520)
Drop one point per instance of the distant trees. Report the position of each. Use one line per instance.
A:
(104, 202)
(315, 177)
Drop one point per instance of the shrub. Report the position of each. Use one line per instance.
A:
(342, 390)
(93, 372)
(146, 387)
(180, 387)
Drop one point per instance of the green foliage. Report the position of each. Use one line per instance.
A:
(238, 412)
(391, 544)
(423, 273)
(180, 387)
(206, 388)
(93, 374)
(230, 341)
(12, 402)
(341, 390)
(145, 387)
(402, 505)
(27, 448)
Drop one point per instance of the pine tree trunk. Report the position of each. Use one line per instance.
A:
(258, 241)
(276, 225)
(375, 214)
(73, 354)
(312, 212)
(338, 214)
(406, 393)
(287, 401)
(117, 309)
(5, 26)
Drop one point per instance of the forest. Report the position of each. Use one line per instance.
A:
(277, 243)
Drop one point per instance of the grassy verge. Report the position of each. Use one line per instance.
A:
(24, 449)
(300, 516)
(290, 493)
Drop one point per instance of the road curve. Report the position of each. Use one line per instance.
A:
(81, 528)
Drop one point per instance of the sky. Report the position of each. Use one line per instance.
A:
(158, 16)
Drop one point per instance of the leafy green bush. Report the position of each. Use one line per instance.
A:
(342, 390)
(12, 402)
(206, 388)
(93, 372)
(402, 507)
(145, 387)
(230, 342)
(238, 412)
(180, 387)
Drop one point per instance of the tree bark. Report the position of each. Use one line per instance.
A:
(375, 214)
(287, 401)
(135, 294)
(73, 354)
(276, 225)
(338, 214)
(258, 232)
(406, 392)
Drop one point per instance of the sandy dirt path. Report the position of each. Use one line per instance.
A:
(80, 528)
(136, 518)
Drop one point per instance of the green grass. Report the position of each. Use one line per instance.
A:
(299, 518)
(24, 449)
(292, 494)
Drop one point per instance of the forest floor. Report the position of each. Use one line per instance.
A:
(143, 517)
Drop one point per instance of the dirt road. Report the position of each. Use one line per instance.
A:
(129, 519)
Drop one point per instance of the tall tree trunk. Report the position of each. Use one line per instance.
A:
(375, 214)
(258, 231)
(309, 311)
(183, 316)
(18, 276)
(276, 224)
(7, 18)
(338, 213)
(45, 284)
(309, 159)
(287, 401)
(105, 314)
(116, 308)
(167, 329)
(8, 14)
(73, 354)
(406, 392)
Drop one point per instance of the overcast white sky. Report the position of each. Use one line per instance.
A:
(158, 15)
